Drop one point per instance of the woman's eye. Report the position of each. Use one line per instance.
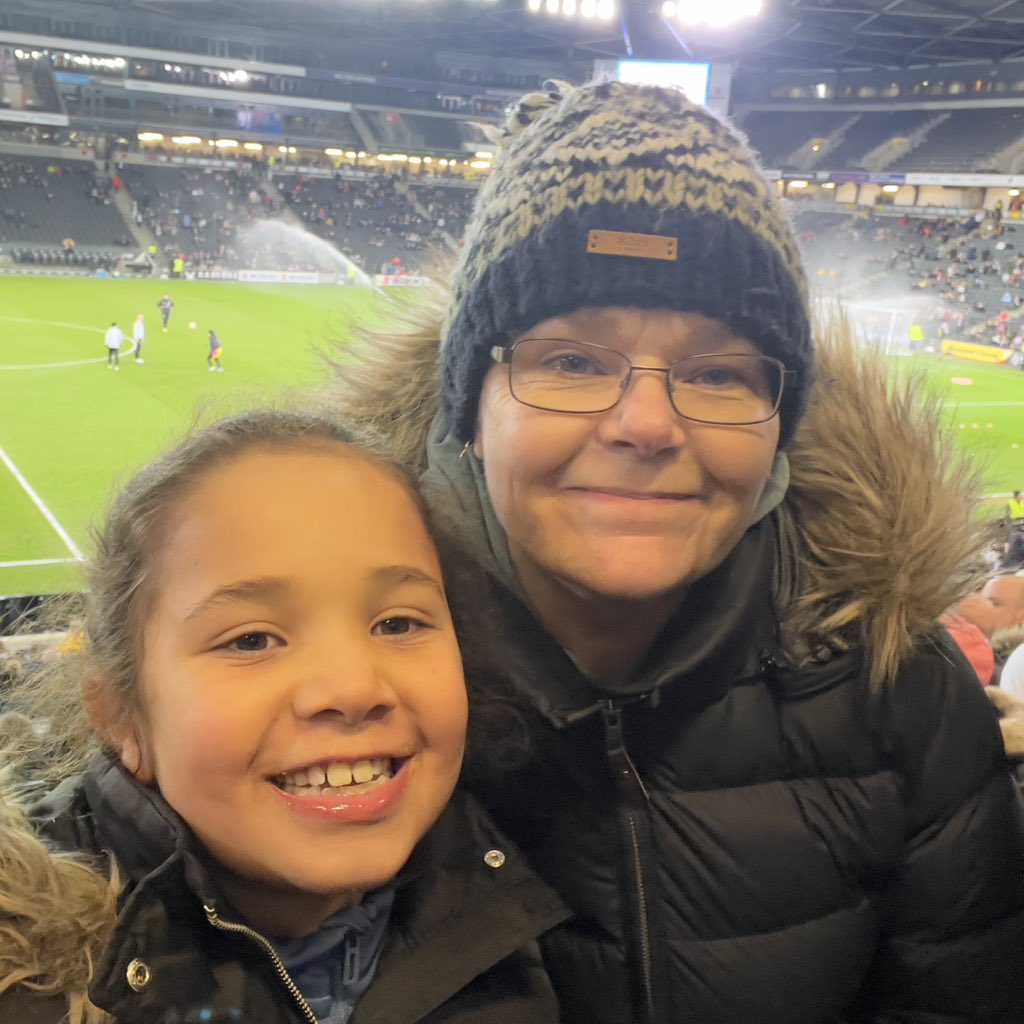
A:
(576, 364)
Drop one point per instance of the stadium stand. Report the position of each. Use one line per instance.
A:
(45, 201)
(870, 131)
(377, 220)
(778, 134)
(965, 140)
(198, 211)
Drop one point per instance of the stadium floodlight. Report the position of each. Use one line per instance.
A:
(603, 9)
(226, 144)
(253, 147)
(713, 12)
(186, 140)
(150, 137)
(331, 151)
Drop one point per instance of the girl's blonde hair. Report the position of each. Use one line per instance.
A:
(56, 911)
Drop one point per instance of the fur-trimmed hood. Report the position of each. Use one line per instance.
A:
(1006, 641)
(881, 510)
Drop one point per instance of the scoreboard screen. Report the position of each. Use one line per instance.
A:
(692, 78)
(699, 81)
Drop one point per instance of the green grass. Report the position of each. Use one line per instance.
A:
(986, 412)
(75, 430)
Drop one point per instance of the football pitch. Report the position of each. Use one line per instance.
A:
(70, 429)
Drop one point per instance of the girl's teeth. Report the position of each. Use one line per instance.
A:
(336, 774)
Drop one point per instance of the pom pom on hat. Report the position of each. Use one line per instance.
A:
(692, 223)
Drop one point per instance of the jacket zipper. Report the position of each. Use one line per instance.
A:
(630, 786)
(240, 929)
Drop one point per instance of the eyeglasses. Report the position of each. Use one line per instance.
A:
(575, 376)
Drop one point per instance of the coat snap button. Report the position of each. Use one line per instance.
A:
(139, 975)
(494, 858)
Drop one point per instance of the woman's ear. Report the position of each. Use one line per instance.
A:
(115, 728)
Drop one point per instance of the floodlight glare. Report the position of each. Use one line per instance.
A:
(568, 8)
(552, 6)
(588, 8)
(606, 9)
(668, 9)
(533, 5)
(715, 12)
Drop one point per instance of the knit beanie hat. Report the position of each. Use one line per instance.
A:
(623, 195)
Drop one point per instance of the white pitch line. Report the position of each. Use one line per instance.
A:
(49, 323)
(57, 323)
(41, 505)
(52, 366)
(39, 561)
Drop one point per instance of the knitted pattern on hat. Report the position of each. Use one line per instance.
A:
(623, 158)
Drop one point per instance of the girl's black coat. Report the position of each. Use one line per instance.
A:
(461, 947)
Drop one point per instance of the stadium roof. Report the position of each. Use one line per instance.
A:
(811, 35)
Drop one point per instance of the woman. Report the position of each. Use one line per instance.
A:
(760, 774)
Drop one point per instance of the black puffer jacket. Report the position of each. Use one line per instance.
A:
(797, 810)
(749, 844)
(460, 948)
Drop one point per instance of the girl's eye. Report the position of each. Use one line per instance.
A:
(397, 625)
(250, 642)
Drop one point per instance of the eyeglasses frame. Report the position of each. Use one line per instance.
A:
(502, 354)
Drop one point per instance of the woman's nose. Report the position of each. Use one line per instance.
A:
(644, 416)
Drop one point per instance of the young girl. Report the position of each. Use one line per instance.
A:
(257, 746)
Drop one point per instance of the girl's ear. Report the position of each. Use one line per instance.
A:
(115, 728)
